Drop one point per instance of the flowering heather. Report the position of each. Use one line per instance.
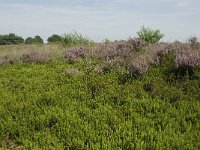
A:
(188, 58)
(159, 48)
(34, 57)
(138, 67)
(184, 53)
(136, 44)
(118, 52)
(72, 54)
(106, 51)
(9, 59)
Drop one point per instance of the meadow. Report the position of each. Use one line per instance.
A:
(112, 95)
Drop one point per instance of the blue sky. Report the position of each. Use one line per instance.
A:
(99, 19)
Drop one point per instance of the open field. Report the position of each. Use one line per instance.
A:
(120, 95)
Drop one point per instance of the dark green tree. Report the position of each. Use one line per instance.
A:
(36, 40)
(54, 39)
(11, 39)
(29, 40)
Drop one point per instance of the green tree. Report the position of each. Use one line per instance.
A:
(10, 39)
(36, 40)
(54, 39)
(150, 36)
(75, 38)
(29, 40)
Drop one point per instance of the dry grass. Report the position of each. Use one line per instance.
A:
(53, 51)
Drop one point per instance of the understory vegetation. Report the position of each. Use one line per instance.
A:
(127, 94)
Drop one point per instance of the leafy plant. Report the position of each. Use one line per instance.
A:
(74, 39)
(150, 36)
(107, 41)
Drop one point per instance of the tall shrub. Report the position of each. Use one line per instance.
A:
(75, 38)
(150, 36)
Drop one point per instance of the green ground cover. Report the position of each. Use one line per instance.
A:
(57, 105)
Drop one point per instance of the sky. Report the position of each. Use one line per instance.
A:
(100, 19)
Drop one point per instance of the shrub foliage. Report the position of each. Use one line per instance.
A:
(54, 39)
(36, 40)
(150, 36)
(11, 39)
(74, 39)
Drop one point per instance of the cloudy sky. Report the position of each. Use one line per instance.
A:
(99, 19)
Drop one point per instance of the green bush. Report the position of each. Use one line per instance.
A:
(74, 39)
(54, 39)
(43, 107)
(36, 40)
(150, 36)
(10, 39)
(29, 40)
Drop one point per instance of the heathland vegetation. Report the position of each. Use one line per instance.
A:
(74, 93)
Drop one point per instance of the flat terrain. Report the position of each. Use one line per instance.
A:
(62, 105)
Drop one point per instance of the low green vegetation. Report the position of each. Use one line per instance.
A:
(112, 95)
(58, 106)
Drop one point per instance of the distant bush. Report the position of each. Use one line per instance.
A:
(10, 39)
(150, 36)
(75, 39)
(54, 39)
(29, 40)
(36, 40)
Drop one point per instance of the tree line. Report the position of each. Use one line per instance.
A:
(146, 34)
(13, 39)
